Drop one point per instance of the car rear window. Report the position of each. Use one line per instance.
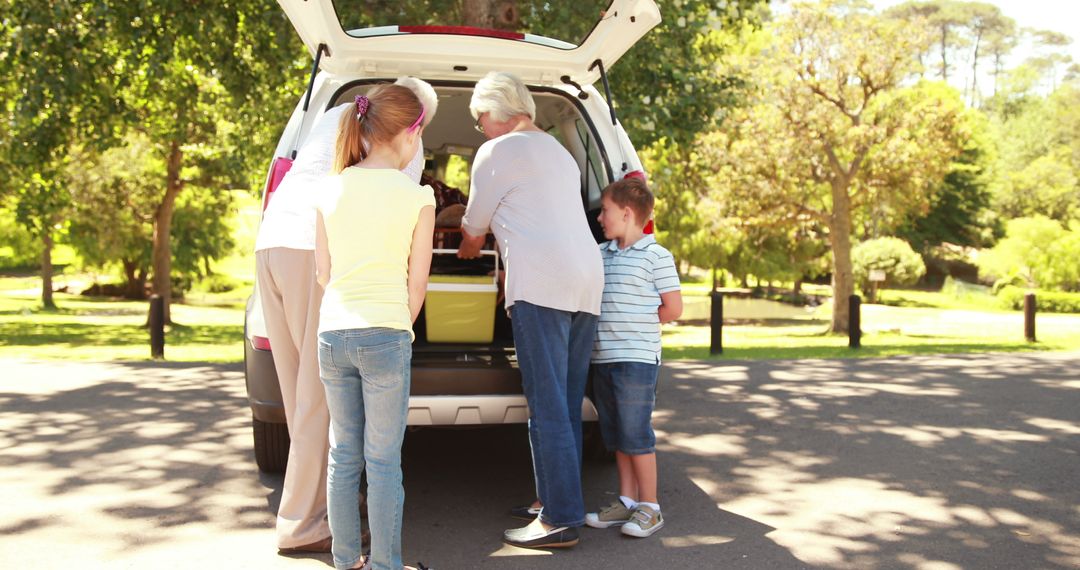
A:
(567, 21)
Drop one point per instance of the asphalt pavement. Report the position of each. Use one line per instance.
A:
(915, 462)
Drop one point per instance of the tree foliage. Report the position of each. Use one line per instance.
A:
(832, 135)
(1036, 252)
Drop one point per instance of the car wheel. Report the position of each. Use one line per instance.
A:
(271, 445)
(592, 444)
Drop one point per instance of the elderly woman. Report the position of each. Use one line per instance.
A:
(526, 190)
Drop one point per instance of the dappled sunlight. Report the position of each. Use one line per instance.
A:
(693, 540)
(508, 551)
(928, 462)
(705, 445)
(1051, 424)
(130, 443)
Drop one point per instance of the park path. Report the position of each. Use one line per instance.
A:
(915, 462)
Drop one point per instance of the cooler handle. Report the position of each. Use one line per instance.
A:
(492, 252)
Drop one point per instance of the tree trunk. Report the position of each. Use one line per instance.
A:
(796, 289)
(135, 285)
(975, 69)
(714, 281)
(47, 268)
(840, 241)
(162, 251)
(491, 14)
(944, 49)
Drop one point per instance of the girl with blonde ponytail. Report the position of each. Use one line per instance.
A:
(373, 252)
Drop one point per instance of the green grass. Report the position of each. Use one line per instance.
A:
(97, 329)
(210, 326)
(887, 331)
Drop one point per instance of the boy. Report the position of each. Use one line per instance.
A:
(641, 290)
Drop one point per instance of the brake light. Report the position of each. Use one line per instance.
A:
(462, 31)
(278, 170)
(260, 343)
(641, 174)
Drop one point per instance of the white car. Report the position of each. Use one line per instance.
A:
(463, 384)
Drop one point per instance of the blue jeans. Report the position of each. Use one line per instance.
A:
(366, 374)
(553, 350)
(625, 394)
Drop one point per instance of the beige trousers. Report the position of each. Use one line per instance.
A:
(290, 300)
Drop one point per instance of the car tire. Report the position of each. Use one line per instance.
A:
(271, 445)
(592, 444)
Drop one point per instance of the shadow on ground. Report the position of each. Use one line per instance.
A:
(964, 461)
(954, 462)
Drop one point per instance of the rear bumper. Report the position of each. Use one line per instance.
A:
(476, 410)
(444, 394)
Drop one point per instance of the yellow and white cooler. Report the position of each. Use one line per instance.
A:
(461, 308)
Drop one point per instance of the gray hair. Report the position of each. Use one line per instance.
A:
(424, 92)
(501, 95)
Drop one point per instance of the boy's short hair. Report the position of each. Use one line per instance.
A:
(632, 193)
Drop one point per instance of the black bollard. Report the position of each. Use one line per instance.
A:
(1029, 317)
(156, 322)
(716, 323)
(854, 321)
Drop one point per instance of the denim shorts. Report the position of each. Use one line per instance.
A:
(625, 394)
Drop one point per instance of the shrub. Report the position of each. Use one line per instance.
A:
(1037, 252)
(1047, 301)
(217, 283)
(902, 266)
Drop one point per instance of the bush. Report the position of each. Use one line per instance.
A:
(1037, 252)
(902, 266)
(218, 283)
(1047, 301)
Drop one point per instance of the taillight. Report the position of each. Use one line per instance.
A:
(641, 174)
(278, 170)
(260, 343)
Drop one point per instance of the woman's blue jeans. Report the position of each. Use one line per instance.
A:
(553, 350)
(366, 373)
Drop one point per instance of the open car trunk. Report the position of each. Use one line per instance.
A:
(450, 141)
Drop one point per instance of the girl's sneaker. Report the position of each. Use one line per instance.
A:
(612, 515)
(643, 522)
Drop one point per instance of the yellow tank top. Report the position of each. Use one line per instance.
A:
(369, 215)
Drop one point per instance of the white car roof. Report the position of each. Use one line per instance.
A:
(467, 54)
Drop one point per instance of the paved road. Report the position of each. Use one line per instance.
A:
(927, 462)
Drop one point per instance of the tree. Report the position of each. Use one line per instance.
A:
(1039, 154)
(944, 18)
(206, 87)
(832, 132)
(958, 211)
(987, 27)
(47, 107)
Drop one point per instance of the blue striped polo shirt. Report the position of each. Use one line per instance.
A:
(634, 278)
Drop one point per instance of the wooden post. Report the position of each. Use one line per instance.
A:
(1029, 317)
(156, 323)
(854, 322)
(716, 323)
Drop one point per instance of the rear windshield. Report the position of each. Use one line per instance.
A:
(567, 21)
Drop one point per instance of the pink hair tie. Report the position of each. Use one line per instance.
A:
(362, 105)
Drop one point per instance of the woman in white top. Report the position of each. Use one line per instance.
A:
(290, 297)
(526, 188)
(373, 243)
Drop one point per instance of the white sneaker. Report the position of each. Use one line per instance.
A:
(643, 522)
(614, 514)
